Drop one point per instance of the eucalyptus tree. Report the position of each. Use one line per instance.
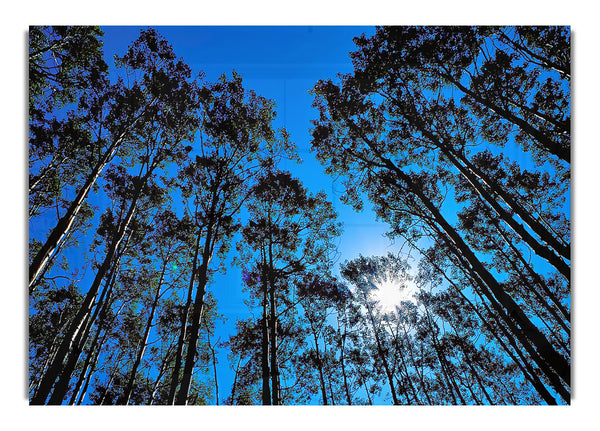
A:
(289, 230)
(113, 117)
(158, 139)
(395, 122)
(321, 296)
(237, 141)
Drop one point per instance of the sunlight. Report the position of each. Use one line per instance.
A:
(391, 292)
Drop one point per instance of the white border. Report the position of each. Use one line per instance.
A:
(581, 15)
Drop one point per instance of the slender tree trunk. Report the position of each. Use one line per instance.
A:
(161, 372)
(53, 242)
(556, 361)
(528, 286)
(381, 354)
(182, 332)
(89, 371)
(266, 385)
(196, 317)
(342, 352)
(320, 366)
(235, 379)
(527, 344)
(273, 335)
(35, 284)
(368, 394)
(214, 361)
(405, 367)
(52, 351)
(144, 342)
(419, 373)
(192, 351)
(540, 249)
(78, 323)
(477, 377)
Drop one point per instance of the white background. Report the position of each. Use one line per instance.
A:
(581, 15)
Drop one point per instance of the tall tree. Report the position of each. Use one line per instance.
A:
(395, 122)
(289, 231)
(159, 138)
(237, 142)
(116, 116)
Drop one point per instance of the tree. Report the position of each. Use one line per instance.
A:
(394, 121)
(159, 139)
(289, 231)
(237, 143)
(118, 115)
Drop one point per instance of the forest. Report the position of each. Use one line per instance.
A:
(152, 187)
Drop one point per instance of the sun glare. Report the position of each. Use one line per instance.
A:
(390, 293)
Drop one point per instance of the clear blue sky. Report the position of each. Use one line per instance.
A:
(281, 64)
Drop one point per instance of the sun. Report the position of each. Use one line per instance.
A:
(391, 293)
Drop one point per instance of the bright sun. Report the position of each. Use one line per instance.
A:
(391, 293)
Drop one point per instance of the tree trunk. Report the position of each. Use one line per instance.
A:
(342, 351)
(144, 342)
(273, 328)
(214, 361)
(77, 325)
(266, 385)
(320, 366)
(196, 317)
(63, 226)
(182, 332)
